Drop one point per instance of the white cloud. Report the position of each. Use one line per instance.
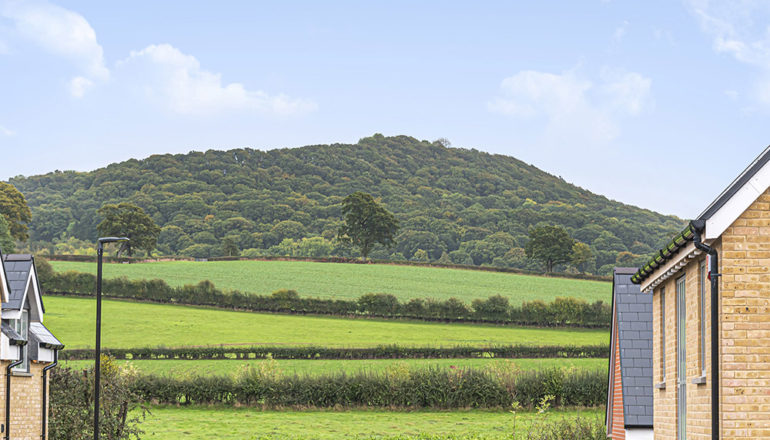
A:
(620, 32)
(739, 29)
(62, 32)
(574, 107)
(177, 80)
(6, 132)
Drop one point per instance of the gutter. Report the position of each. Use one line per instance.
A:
(44, 425)
(8, 397)
(699, 226)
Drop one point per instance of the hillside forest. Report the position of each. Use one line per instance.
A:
(453, 205)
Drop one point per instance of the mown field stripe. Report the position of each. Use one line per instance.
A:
(350, 281)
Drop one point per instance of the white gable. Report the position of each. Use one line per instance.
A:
(738, 203)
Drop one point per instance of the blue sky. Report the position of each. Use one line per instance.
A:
(657, 103)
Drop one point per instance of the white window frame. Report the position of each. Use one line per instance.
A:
(703, 283)
(21, 326)
(663, 334)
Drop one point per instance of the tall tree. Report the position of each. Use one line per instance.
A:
(7, 245)
(13, 206)
(366, 223)
(129, 220)
(582, 256)
(550, 244)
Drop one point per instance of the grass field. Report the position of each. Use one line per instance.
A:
(128, 324)
(198, 423)
(337, 280)
(312, 367)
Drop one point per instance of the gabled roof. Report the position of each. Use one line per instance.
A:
(720, 213)
(633, 314)
(19, 268)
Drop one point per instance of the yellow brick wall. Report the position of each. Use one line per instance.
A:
(26, 402)
(698, 395)
(745, 308)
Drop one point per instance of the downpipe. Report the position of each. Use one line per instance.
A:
(698, 227)
(45, 392)
(8, 397)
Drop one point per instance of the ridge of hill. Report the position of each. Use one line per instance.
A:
(460, 205)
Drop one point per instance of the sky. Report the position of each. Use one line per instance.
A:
(658, 104)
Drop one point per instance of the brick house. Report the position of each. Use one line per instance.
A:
(27, 351)
(629, 397)
(711, 317)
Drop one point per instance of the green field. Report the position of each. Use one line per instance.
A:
(171, 423)
(129, 324)
(312, 367)
(337, 280)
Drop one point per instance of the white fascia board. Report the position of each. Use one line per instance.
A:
(639, 434)
(37, 302)
(6, 295)
(44, 354)
(611, 385)
(11, 314)
(738, 203)
(8, 352)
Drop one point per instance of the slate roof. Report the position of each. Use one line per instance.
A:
(17, 268)
(44, 336)
(634, 318)
(12, 334)
(40, 336)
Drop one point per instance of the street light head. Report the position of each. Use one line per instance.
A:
(112, 239)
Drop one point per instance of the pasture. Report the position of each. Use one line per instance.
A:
(350, 281)
(129, 324)
(171, 423)
(177, 367)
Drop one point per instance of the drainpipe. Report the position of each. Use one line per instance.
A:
(45, 392)
(8, 397)
(698, 227)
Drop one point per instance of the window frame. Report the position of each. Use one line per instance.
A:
(703, 283)
(663, 334)
(23, 331)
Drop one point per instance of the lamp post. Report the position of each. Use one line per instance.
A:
(97, 367)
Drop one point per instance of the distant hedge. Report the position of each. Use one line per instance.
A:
(397, 387)
(381, 352)
(495, 309)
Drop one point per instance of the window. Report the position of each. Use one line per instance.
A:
(663, 334)
(703, 283)
(22, 328)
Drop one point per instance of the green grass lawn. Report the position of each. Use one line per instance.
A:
(171, 423)
(128, 324)
(337, 280)
(302, 367)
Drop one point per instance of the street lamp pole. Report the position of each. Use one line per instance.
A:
(98, 353)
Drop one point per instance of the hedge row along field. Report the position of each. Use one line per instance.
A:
(380, 352)
(396, 388)
(495, 309)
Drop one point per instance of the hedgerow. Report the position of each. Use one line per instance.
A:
(397, 387)
(379, 352)
(495, 309)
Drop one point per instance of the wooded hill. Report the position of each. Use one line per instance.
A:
(455, 204)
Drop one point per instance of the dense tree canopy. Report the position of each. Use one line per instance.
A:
(367, 223)
(129, 220)
(550, 244)
(448, 200)
(13, 206)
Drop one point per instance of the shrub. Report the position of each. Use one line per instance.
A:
(72, 403)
